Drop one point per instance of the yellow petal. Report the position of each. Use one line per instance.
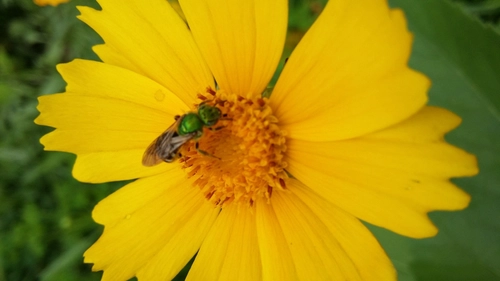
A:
(354, 238)
(71, 112)
(241, 41)
(428, 126)
(109, 123)
(105, 97)
(180, 249)
(389, 179)
(314, 247)
(349, 76)
(86, 141)
(91, 78)
(115, 166)
(277, 261)
(49, 2)
(149, 38)
(97, 126)
(89, 83)
(108, 55)
(230, 250)
(146, 220)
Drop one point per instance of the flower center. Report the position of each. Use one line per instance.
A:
(240, 159)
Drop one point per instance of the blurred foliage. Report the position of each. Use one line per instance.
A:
(45, 214)
(459, 52)
(487, 10)
(46, 223)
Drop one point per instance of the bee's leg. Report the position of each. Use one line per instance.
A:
(216, 128)
(203, 152)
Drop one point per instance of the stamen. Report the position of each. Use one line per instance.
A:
(243, 153)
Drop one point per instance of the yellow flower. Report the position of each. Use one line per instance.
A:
(283, 185)
(49, 2)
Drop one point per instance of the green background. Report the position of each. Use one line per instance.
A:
(45, 222)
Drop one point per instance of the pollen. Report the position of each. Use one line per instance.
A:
(239, 159)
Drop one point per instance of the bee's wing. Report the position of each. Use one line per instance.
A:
(176, 142)
(165, 147)
(151, 157)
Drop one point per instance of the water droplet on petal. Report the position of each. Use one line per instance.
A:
(159, 95)
(128, 216)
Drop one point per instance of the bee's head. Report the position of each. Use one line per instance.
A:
(209, 115)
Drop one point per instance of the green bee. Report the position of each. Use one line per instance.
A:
(186, 127)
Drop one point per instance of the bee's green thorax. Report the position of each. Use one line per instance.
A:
(190, 123)
(209, 115)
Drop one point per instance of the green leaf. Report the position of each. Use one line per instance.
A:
(462, 58)
(448, 39)
(74, 255)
